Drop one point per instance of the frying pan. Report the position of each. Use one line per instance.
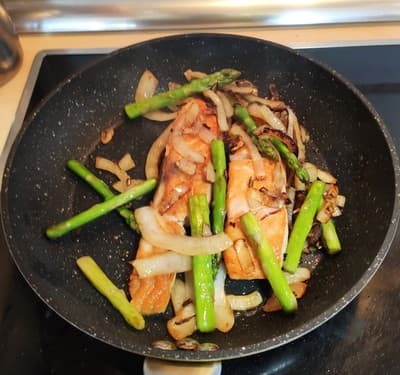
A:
(348, 138)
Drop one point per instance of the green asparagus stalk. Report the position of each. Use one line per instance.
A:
(100, 209)
(219, 186)
(291, 159)
(264, 145)
(269, 263)
(302, 226)
(203, 279)
(167, 98)
(101, 187)
(330, 237)
(106, 287)
(219, 194)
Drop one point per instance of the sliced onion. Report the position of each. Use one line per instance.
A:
(224, 317)
(210, 172)
(263, 112)
(273, 104)
(146, 88)
(109, 166)
(273, 304)
(161, 264)
(329, 204)
(242, 86)
(178, 141)
(340, 201)
(289, 207)
(226, 103)
(178, 294)
(221, 115)
(160, 116)
(301, 274)
(253, 151)
(312, 171)
(190, 74)
(326, 177)
(126, 162)
(124, 185)
(186, 166)
(297, 136)
(183, 324)
(245, 302)
(151, 231)
(155, 152)
(206, 135)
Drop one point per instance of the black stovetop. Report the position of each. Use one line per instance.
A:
(361, 339)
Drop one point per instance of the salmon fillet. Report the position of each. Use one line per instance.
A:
(265, 199)
(180, 178)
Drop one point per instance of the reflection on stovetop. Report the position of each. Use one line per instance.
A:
(363, 338)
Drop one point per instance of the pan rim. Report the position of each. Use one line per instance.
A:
(277, 341)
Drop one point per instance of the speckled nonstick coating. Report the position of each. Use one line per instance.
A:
(347, 136)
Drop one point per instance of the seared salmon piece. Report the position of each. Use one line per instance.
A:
(266, 199)
(184, 172)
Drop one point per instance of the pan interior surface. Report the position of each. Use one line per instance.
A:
(38, 190)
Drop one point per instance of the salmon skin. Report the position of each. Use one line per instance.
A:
(266, 199)
(183, 173)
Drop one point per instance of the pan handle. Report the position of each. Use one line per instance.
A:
(152, 366)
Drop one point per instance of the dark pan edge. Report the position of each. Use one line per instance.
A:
(312, 324)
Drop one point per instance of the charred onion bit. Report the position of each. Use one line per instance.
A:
(267, 132)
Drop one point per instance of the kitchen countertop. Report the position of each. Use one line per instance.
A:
(296, 37)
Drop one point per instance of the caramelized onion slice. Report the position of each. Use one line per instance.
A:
(147, 219)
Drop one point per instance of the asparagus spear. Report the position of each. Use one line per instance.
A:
(291, 159)
(219, 194)
(105, 286)
(203, 279)
(101, 187)
(263, 145)
(269, 263)
(302, 226)
(100, 209)
(219, 187)
(164, 99)
(330, 237)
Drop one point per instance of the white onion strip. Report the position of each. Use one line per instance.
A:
(258, 161)
(187, 116)
(226, 103)
(221, 115)
(245, 302)
(161, 264)
(155, 152)
(224, 317)
(297, 136)
(151, 231)
(263, 112)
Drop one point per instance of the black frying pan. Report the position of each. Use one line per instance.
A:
(347, 137)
